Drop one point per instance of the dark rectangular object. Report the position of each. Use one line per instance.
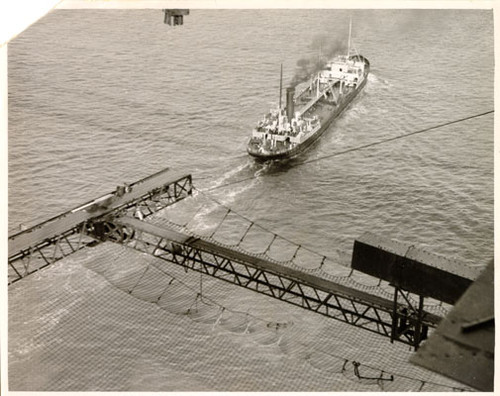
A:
(177, 15)
(412, 269)
(290, 106)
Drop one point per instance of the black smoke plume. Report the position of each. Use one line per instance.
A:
(324, 48)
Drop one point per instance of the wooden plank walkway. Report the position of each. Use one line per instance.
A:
(166, 233)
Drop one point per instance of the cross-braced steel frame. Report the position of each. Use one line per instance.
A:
(46, 252)
(348, 305)
(65, 240)
(157, 198)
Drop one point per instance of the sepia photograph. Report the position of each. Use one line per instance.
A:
(236, 198)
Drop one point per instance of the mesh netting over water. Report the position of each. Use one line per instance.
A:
(112, 319)
(203, 216)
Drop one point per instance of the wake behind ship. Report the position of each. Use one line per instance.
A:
(287, 131)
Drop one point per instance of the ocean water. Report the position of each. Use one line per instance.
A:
(98, 98)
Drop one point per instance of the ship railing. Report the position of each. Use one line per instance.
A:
(258, 134)
(280, 138)
(302, 137)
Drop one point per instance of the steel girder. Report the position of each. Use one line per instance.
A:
(50, 250)
(157, 199)
(58, 245)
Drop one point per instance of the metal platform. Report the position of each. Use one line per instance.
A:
(411, 268)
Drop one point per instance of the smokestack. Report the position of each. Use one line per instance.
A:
(290, 92)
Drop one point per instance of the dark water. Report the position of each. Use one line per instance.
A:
(98, 98)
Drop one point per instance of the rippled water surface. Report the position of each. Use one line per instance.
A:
(98, 98)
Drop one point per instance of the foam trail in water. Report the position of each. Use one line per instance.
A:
(263, 169)
(230, 196)
(207, 217)
(227, 175)
(373, 79)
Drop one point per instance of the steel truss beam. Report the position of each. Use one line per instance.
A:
(55, 245)
(369, 315)
(47, 252)
(156, 199)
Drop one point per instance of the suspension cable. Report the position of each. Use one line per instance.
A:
(353, 149)
(266, 229)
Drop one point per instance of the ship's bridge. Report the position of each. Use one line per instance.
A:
(340, 69)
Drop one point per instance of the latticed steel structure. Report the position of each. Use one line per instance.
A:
(121, 217)
(399, 319)
(39, 246)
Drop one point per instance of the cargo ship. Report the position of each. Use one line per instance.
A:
(287, 131)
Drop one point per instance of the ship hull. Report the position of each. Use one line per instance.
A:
(256, 152)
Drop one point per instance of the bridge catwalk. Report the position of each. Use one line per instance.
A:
(125, 216)
(300, 288)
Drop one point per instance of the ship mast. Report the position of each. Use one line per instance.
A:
(281, 82)
(349, 41)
